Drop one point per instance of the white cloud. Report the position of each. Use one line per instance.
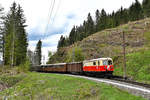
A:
(53, 40)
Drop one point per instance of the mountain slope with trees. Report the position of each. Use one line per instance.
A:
(104, 20)
(108, 43)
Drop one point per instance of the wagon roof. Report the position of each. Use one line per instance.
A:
(74, 62)
(54, 64)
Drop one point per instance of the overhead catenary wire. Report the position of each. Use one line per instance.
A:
(59, 3)
(49, 17)
(49, 10)
(50, 13)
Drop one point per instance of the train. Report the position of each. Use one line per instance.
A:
(99, 66)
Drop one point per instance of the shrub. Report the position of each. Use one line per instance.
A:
(25, 67)
(75, 54)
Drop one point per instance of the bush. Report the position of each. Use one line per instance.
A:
(75, 54)
(26, 66)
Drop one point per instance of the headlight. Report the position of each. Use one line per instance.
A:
(104, 67)
(108, 67)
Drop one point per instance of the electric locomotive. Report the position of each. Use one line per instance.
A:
(100, 66)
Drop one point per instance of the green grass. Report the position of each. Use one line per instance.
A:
(11, 80)
(41, 86)
(147, 37)
(138, 66)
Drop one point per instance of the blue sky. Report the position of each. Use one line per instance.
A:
(66, 13)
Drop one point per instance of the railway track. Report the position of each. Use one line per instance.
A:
(119, 78)
(135, 88)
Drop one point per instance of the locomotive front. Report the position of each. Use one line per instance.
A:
(99, 66)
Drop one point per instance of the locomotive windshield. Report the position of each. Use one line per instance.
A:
(107, 62)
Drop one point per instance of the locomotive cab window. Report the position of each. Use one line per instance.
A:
(109, 62)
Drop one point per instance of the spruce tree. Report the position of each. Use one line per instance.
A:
(146, 7)
(38, 52)
(97, 16)
(136, 11)
(72, 36)
(80, 32)
(62, 42)
(90, 25)
(103, 20)
(85, 29)
(21, 37)
(59, 42)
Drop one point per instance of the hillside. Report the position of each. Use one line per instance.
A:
(108, 43)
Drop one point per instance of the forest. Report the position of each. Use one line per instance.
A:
(14, 41)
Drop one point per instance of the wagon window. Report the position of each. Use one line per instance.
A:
(94, 63)
(98, 63)
(109, 62)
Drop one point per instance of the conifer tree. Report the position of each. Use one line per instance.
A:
(136, 11)
(85, 29)
(103, 20)
(38, 52)
(146, 7)
(97, 16)
(80, 32)
(59, 42)
(90, 25)
(21, 37)
(72, 36)
(63, 42)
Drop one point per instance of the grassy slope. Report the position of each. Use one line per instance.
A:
(138, 66)
(40, 86)
(138, 62)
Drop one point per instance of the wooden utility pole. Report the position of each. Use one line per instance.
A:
(124, 56)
